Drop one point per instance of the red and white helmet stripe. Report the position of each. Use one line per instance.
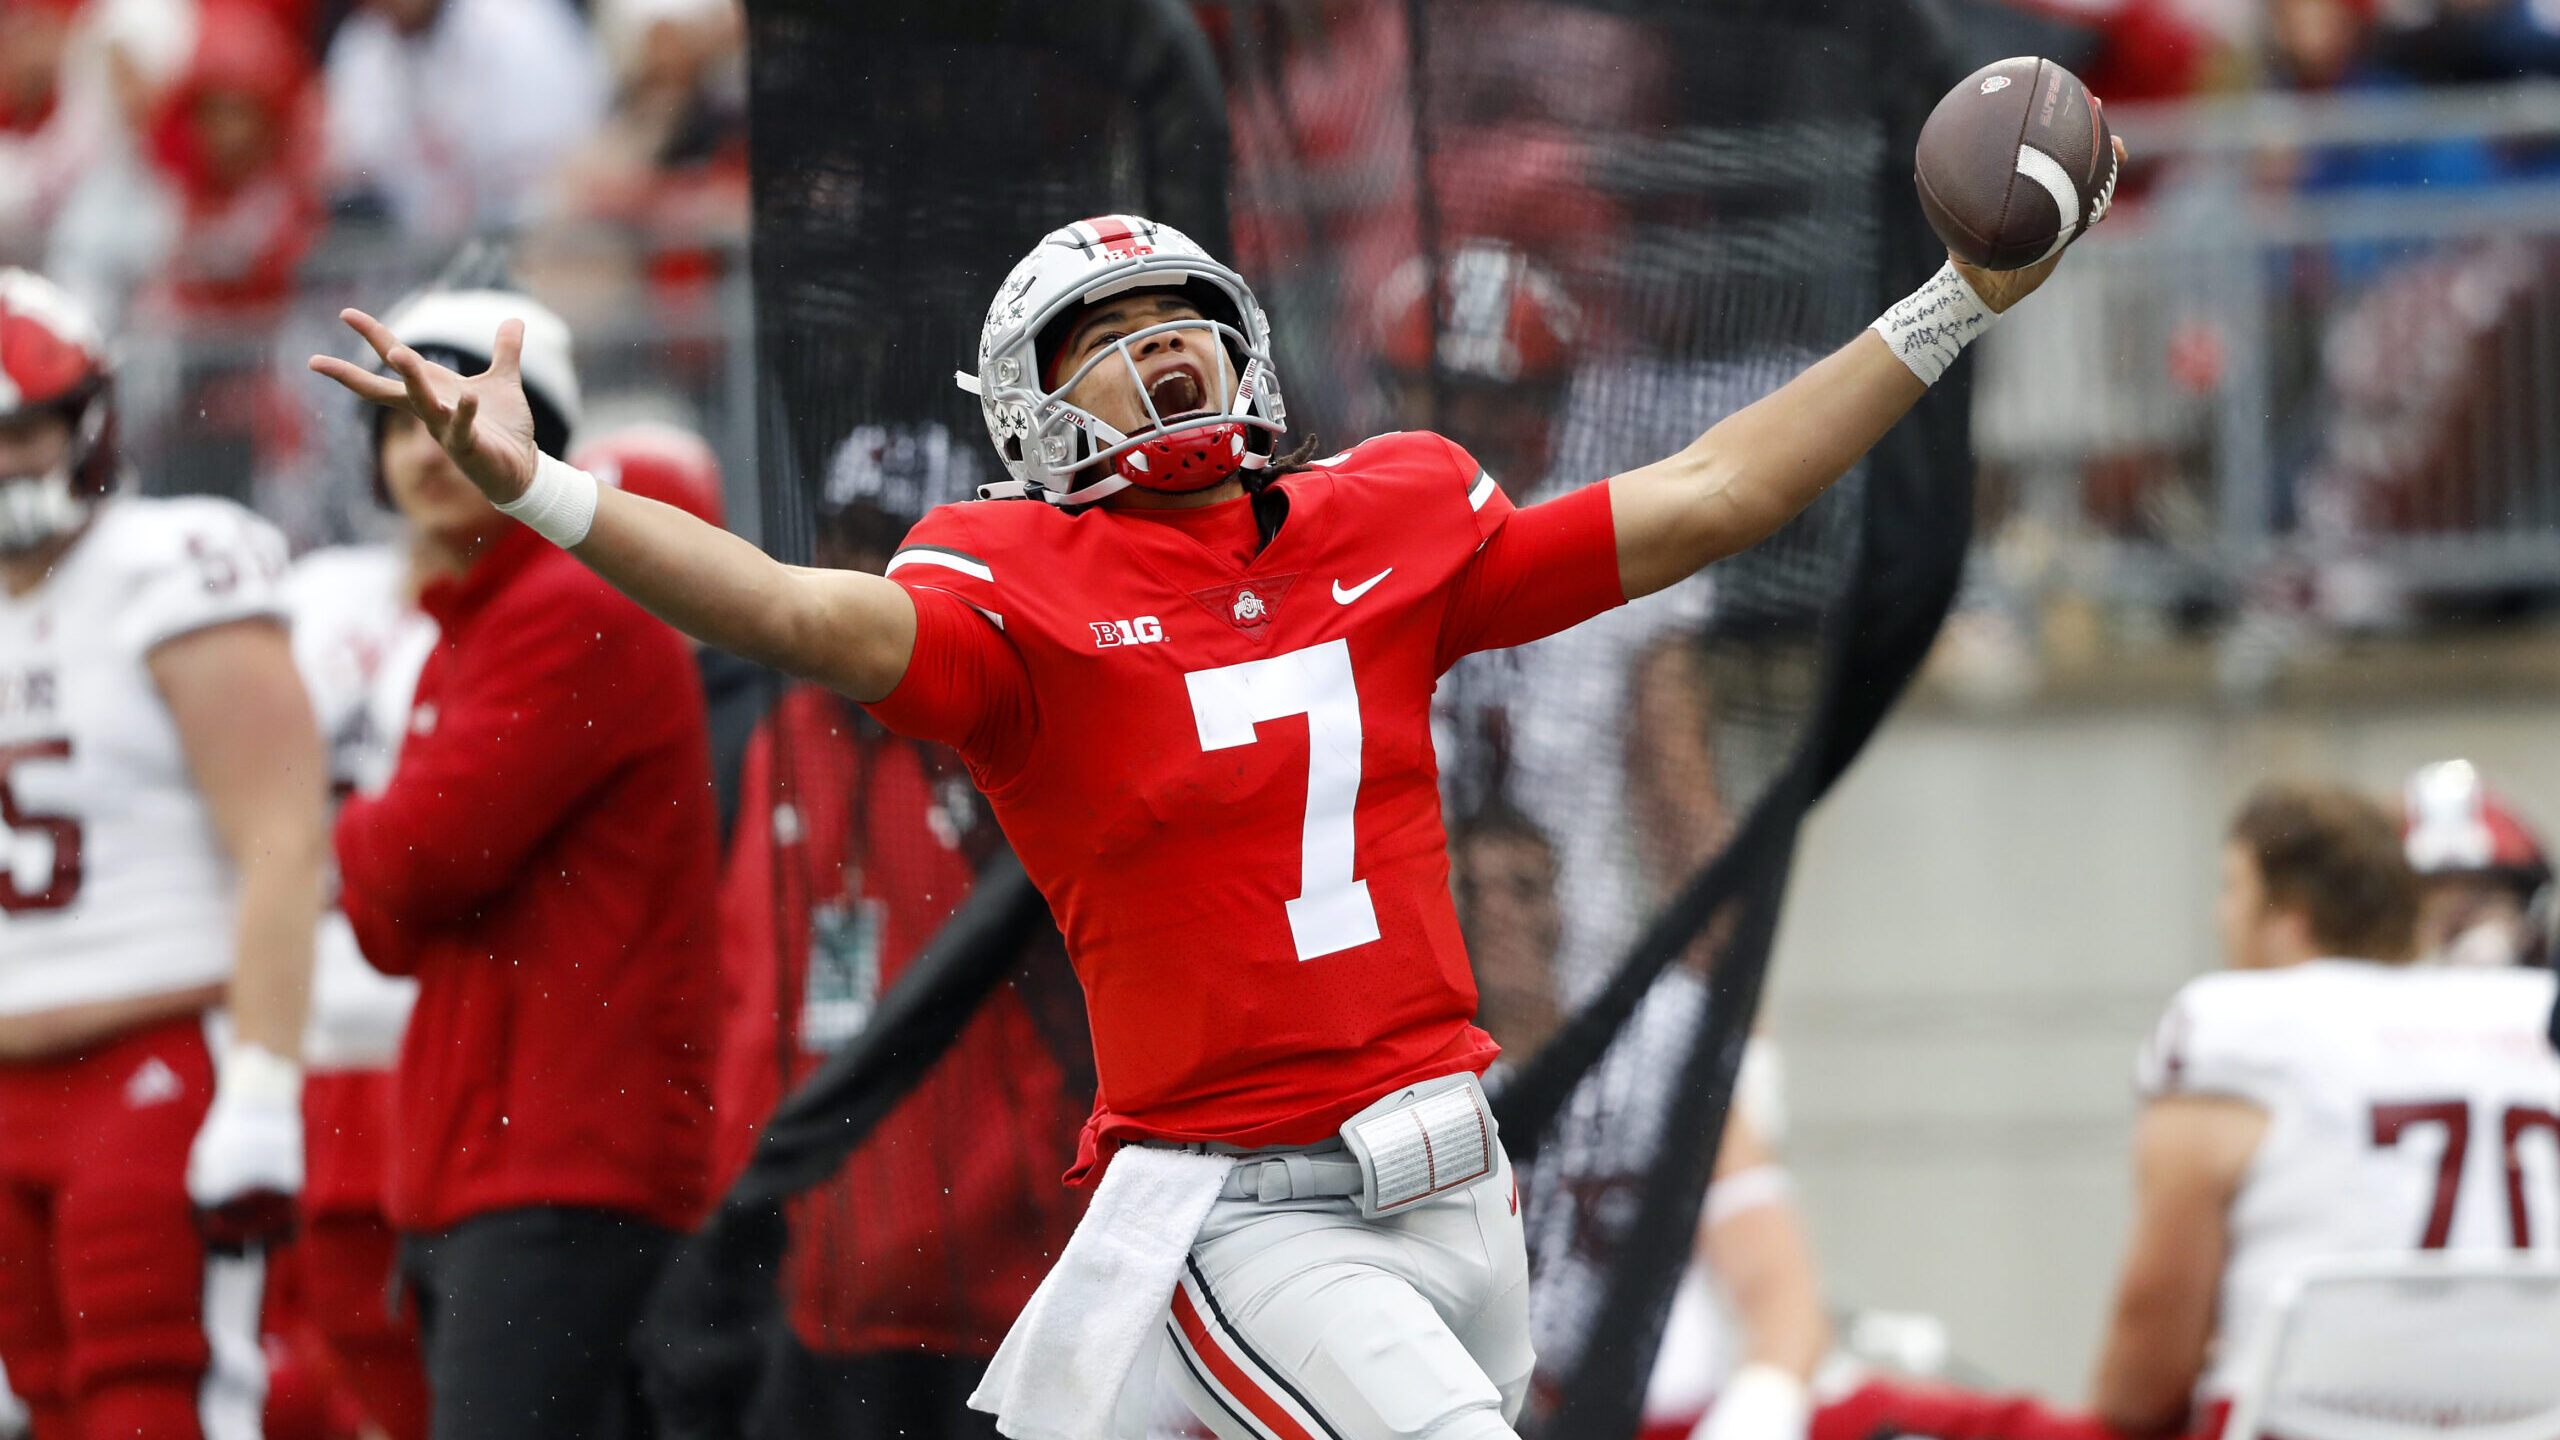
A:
(53, 359)
(2452, 824)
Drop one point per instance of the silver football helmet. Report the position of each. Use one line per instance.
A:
(1066, 455)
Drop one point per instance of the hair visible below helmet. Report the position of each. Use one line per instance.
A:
(2451, 823)
(53, 362)
(1502, 319)
(661, 462)
(458, 329)
(1069, 456)
(2334, 855)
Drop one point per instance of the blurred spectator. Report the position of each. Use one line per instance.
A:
(360, 641)
(237, 139)
(75, 186)
(906, 1266)
(544, 861)
(449, 116)
(671, 155)
(2125, 50)
(1502, 872)
(674, 466)
(1747, 1325)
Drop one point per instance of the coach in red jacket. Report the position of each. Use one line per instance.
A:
(544, 861)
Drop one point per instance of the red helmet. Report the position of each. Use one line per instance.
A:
(1502, 318)
(2451, 824)
(665, 463)
(52, 361)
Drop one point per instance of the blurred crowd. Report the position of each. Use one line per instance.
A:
(2300, 399)
(208, 175)
(177, 160)
(2141, 50)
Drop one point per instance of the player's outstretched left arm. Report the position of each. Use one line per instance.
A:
(1765, 462)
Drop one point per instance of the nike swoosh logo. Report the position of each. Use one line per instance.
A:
(1345, 597)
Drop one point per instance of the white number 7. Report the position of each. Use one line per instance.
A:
(1332, 911)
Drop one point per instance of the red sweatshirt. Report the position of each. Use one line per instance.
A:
(544, 861)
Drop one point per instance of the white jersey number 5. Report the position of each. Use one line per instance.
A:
(1332, 911)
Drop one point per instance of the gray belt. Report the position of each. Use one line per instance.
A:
(1322, 1171)
(1296, 1175)
(1420, 1141)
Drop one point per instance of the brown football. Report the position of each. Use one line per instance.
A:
(2014, 163)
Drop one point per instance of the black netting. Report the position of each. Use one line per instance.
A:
(1572, 237)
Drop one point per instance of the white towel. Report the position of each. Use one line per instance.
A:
(1059, 1372)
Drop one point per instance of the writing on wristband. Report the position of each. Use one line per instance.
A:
(1930, 327)
(560, 504)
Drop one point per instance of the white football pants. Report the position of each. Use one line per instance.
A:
(1298, 1320)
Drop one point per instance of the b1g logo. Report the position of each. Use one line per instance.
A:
(1145, 630)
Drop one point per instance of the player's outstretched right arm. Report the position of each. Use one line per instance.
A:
(849, 631)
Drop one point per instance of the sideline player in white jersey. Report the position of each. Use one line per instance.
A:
(161, 786)
(360, 641)
(2323, 1096)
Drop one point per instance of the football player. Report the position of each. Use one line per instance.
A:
(1192, 671)
(161, 783)
(2302, 1103)
(2484, 895)
(2323, 1096)
(360, 641)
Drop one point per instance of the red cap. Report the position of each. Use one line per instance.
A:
(665, 463)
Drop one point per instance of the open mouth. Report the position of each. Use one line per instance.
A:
(1178, 392)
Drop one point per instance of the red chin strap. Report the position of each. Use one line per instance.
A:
(1188, 460)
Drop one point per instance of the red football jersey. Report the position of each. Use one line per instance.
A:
(1221, 774)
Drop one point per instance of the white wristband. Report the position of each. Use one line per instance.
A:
(255, 1073)
(1931, 326)
(560, 504)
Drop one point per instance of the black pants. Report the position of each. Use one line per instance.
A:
(525, 1317)
(899, 1396)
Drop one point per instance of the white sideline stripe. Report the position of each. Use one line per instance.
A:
(2047, 172)
(1482, 492)
(943, 558)
(231, 1401)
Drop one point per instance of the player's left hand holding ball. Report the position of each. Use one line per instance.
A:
(2014, 164)
(245, 1169)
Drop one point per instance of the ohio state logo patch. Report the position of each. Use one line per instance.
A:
(1248, 605)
